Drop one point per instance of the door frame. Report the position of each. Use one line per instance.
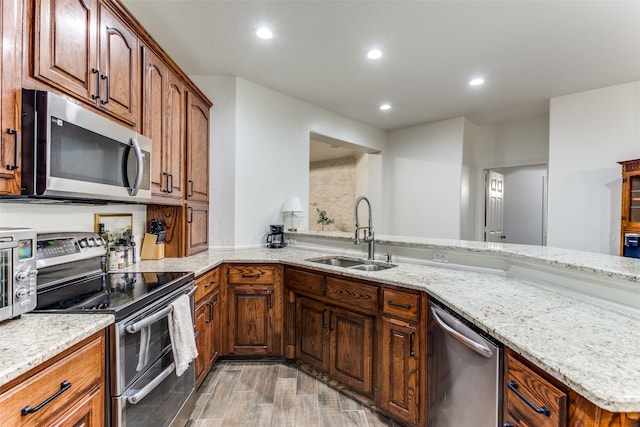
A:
(481, 201)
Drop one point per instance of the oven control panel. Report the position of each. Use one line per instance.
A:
(65, 247)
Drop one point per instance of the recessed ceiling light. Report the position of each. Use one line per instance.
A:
(374, 54)
(385, 107)
(476, 82)
(264, 33)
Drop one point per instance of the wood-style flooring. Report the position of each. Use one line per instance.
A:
(275, 394)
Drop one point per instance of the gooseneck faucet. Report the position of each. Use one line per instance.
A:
(367, 232)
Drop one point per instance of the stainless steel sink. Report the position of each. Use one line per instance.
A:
(338, 261)
(354, 264)
(372, 267)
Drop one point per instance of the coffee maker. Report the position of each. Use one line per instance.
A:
(275, 239)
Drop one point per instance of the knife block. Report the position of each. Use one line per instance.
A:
(150, 248)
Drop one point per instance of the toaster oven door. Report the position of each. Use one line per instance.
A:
(6, 280)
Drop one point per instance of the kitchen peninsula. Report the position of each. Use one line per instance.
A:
(571, 335)
(524, 296)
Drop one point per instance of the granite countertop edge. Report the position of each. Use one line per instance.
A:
(35, 338)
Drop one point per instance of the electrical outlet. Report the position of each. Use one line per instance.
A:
(440, 257)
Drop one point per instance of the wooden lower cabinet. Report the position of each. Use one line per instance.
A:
(251, 320)
(529, 399)
(76, 379)
(207, 322)
(400, 365)
(253, 294)
(336, 341)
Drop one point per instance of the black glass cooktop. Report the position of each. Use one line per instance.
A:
(119, 293)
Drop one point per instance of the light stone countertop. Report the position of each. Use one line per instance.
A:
(590, 347)
(36, 337)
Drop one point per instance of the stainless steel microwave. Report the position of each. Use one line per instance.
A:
(70, 152)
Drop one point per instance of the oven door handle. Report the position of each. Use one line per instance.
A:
(144, 391)
(150, 320)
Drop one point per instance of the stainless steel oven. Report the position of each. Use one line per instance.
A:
(143, 388)
(71, 152)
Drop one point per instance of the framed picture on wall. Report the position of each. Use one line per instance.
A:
(116, 226)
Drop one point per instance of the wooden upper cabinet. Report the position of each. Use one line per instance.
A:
(176, 135)
(65, 45)
(164, 117)
(154, 80)
(10, 29)
(80, 47)
(118, 64)
(197, 149)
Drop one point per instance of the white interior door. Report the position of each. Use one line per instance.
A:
(494, 207)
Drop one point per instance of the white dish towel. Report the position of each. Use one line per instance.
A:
(183, 341)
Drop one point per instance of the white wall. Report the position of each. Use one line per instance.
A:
(48, 218)
(422, 174)
(468, 182)
(270, 154)
(516, 142)
(589, 132)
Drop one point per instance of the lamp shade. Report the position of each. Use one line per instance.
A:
(292, 205)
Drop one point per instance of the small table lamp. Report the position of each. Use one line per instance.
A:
(291, 210)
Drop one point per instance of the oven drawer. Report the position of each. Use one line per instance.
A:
(156, 398)
(68, 379)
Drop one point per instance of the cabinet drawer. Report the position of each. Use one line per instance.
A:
(401, 304)
(551, 401)
(303, 281)
(354, 293)
(258, 274)
(81, 369)
(207, 283)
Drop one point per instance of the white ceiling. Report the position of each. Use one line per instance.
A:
(527, 51)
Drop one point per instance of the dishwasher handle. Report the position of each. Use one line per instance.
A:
(473, 345)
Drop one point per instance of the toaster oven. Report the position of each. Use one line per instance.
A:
(17, 272)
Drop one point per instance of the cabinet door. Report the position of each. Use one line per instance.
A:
(197, 150)
(10, 29)
(250, 319)
(176, 117)
(400, 370)
(214, 326)
(312, 343)
(352, 349)
(197, 228)
(202, 340)
(119, 72)
(153, 117)
(65, 46)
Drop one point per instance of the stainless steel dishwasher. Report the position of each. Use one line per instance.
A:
(464, 373)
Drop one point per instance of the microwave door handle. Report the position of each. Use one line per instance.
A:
(133, 190)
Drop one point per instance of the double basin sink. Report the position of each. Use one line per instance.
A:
(353, 263)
